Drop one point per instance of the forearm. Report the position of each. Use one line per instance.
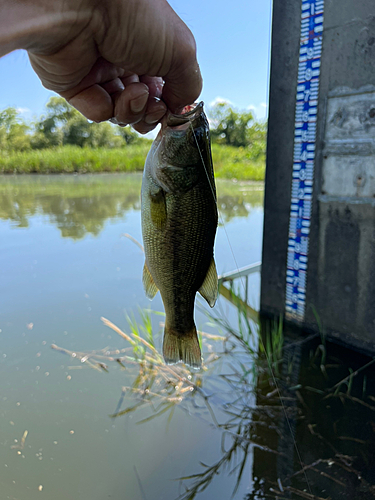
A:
(35, 24)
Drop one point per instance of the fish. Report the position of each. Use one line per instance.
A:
(179, 221)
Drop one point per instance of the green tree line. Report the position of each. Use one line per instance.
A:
(62, 125)
(237, 128)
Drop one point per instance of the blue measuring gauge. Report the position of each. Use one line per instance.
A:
(304, 157)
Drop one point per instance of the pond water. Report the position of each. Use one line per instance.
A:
(65, 263)
(99, 416)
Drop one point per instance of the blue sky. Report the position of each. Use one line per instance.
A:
(233, 52)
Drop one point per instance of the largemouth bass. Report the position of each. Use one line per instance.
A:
(179, 221)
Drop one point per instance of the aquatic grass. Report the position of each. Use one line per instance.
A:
(156, 385)
(237, 163)
(348, 381)
(229, 162)
(364, 386)
(271, 345)
(243, 414)
(253, 401)
(260, 395)
(243, 428)
(263, 344)
(322, 347)
(73, 159)
(159, 385)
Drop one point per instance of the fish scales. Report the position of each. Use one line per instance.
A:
(179, 221)
(176, 257)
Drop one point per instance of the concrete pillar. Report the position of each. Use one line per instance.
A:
(340, 277)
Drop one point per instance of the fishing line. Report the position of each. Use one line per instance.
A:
(213, 194)
(242, 278)
(261, 339)
(215, 198)
(243, 281)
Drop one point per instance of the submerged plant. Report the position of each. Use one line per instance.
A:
(273, 404)
(155, 384)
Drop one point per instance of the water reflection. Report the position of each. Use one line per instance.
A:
(62, 286)
(296, 414)
(323, 436)
(77, 205)
(80, 205)
(327, 395)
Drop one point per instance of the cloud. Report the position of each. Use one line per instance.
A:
(220, 100)
(23, 111)
(260, 111)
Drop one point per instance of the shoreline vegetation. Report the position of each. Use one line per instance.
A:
(229, 161)
(62, 141)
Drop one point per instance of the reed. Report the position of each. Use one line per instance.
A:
(229, 162)
(257, 397)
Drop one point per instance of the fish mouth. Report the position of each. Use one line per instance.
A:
(193, 112)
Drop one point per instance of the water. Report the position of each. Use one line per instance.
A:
(305, 429)
(65, 262)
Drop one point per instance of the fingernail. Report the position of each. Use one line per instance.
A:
(116, 122)
(155, 116)
(136, 105)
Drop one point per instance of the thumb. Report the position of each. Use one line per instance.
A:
(183, 82)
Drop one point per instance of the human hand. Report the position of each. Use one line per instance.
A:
(109, 59)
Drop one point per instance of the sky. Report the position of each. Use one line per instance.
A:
(233, 41)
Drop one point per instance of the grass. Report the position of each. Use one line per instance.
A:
(163, 388)
(236, 163)
(254, 395)
(155, 385)
(229, 162)
(70, 159)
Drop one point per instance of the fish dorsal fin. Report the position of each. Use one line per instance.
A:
(149, 283)
(158, 207)
(209, 288)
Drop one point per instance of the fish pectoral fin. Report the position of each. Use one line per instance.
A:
(209, 288)
(149, 283)
(182, 347)
(158, 207)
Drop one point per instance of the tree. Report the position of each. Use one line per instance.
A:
(48, 129)
(60, 110)
(13, 131)
(80, 132)
(46, 133)
(60, 124)
(236, 128)
(129, 136)
(63, 124)
(257, 139)
(104, 135)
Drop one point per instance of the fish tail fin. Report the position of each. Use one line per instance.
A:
(182, 347)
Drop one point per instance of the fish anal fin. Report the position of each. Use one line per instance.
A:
(158, 207)
(149, 283)
(209, 287)
(182, 347)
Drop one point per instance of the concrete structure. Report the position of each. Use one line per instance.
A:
(341, 260)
